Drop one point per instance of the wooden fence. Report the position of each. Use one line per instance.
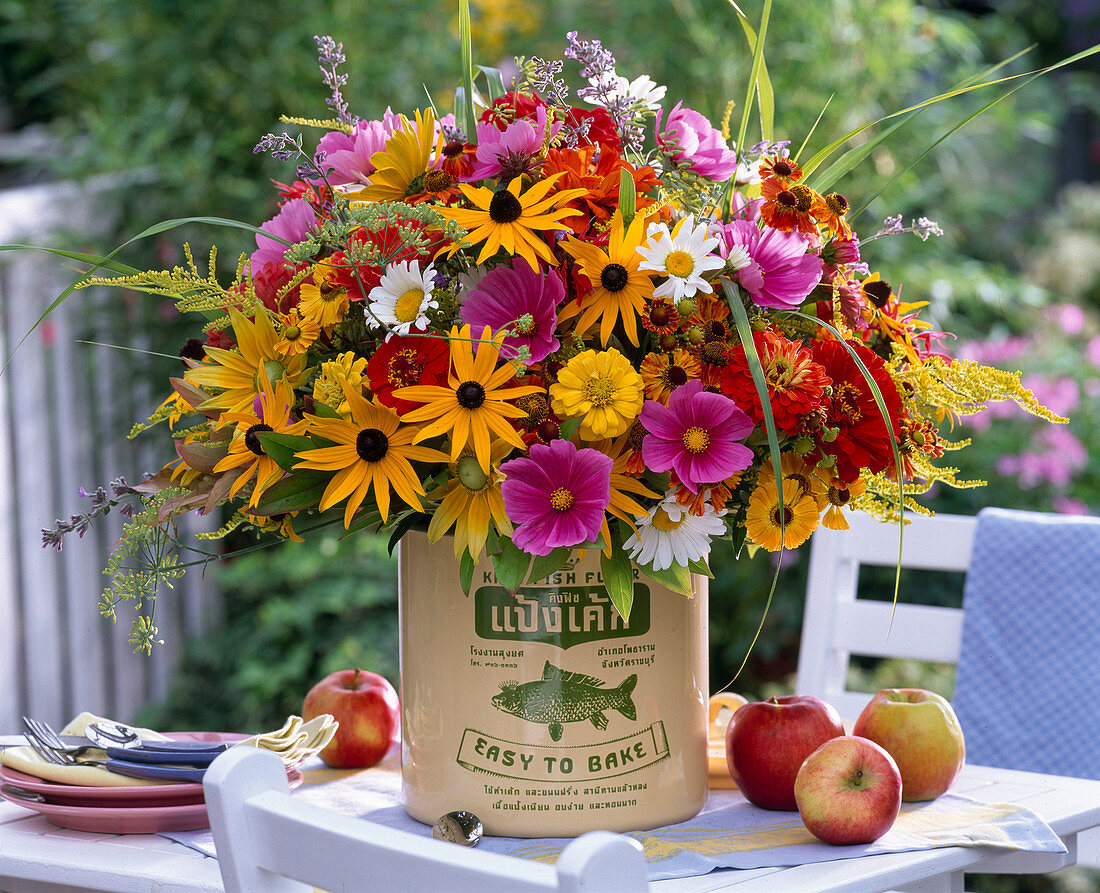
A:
(65, 408)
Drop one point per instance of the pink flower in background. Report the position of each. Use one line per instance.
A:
(349, 153)
(1056, 458)
(1092, 351)
(780, 273)
(1060, 395)
(1067, 505)
(521, 300)
(696, 435)
(690, 137)
(557, 497)
(1068, 317)
(995, 353)
(293, 223)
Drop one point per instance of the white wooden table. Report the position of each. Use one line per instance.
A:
(37, 857)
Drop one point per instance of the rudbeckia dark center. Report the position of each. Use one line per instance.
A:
(613, 277)
(803, 197)
(878, 292)
(782, 168)
(371, 445)
(470, 394)
(504, 207)
(676, 376)
(837, 203)
(193, 349)
(453, 148)
(782, 514)
(252, 441)
(786, 197)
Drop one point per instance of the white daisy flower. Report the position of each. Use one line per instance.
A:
(402, 298)
(671, 535)
(684, 256)
(643, 90)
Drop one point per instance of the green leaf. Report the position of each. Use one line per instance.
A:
(628, 196)
(283, 449)
(618, 576)
(407, 522)
(700, 566)
(544, 565)
(569, 427)
(677, 578)
(301, 490)
(466, 565)
(511, 565)
(324, 411)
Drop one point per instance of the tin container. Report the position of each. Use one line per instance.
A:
(543, 712)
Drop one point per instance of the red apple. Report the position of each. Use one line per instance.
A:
(767, 741)
(920, 731)
(848, 791)
(366, 707)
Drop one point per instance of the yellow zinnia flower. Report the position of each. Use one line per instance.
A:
(603, 389)
(245, 449)
(619, 288)
(800, 479)
(473, 404)
(799, 514)
(298, 334)
(328, 387)
(469, 501)
(323, 302)
(505, 219)
(407, 156)
(238, 372)
(372, 449)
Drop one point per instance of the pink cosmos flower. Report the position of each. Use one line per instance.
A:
(557, 497)
(510, 152)
(780, 273)
(349, 154)
(521, 300)
(695, 435)
(688, 136)
(293, 223)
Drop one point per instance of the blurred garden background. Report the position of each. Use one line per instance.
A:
(169, 99)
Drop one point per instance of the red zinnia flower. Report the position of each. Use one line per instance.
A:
(795, 382)
(404, 362)
(862, 439)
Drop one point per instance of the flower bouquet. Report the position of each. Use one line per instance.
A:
(544, 324)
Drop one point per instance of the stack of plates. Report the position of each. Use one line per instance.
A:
(138, 809)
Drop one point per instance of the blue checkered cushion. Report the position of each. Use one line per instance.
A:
(1028, 688)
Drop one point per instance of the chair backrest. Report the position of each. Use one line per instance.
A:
(270, 842)
(837, 624)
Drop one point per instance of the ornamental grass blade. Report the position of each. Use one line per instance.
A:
(758, 76)
(744, 329)
(465, 113)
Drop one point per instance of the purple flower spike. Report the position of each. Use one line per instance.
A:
(557, 497)
(522, 301)
(696, 436)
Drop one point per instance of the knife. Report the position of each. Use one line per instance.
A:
(175, 757)
(147, 770)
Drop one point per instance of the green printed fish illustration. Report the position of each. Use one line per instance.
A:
(560, 697)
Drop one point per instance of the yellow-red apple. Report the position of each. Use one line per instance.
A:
(366, 707)
(848, 791)
(921, 732)
(767, 741)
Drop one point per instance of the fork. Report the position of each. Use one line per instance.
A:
(43, 732)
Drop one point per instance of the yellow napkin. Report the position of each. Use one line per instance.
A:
(295, 741)
(26, 759)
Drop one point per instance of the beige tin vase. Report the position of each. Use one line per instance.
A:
(542, 712)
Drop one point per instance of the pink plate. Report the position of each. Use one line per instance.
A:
(127, 819)
(171, 793)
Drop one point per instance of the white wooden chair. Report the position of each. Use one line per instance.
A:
(837, 624)
(270, 842)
